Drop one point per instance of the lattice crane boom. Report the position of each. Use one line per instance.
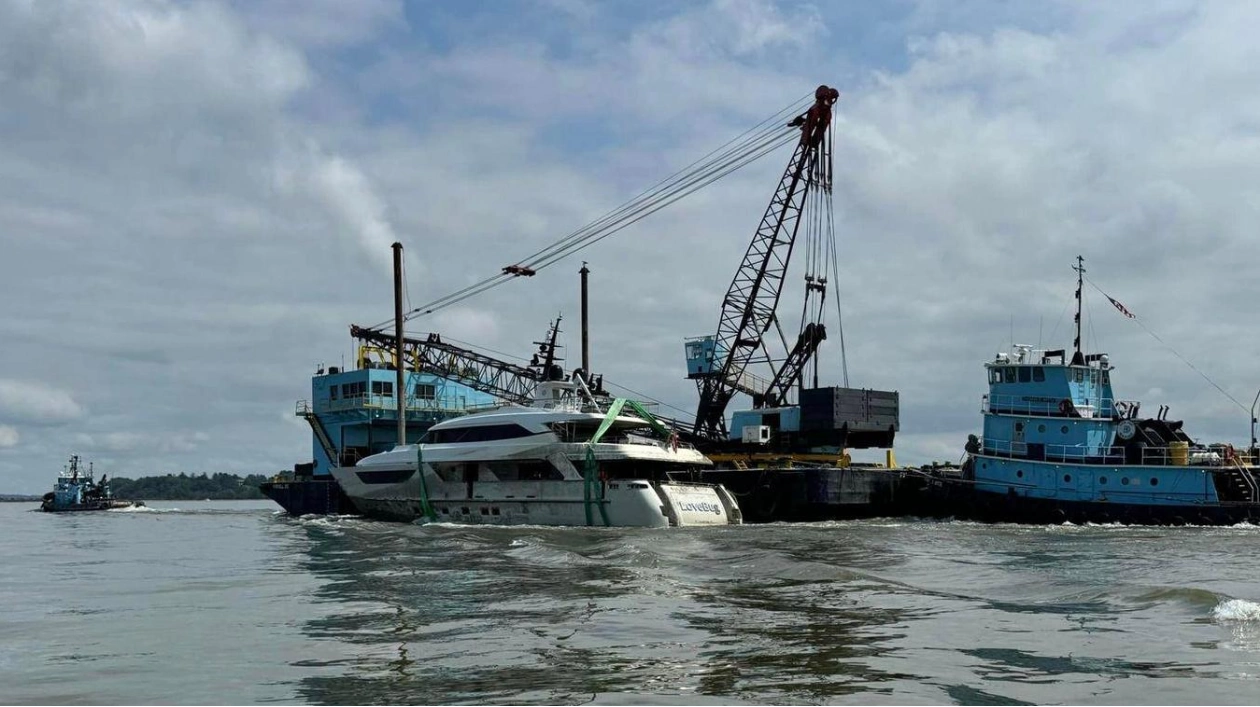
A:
(748, 309)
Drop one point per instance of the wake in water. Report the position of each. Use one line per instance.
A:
(1236, 610)
(143, 509)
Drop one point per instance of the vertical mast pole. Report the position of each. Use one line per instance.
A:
(1253, 422)
(586, 342)
(1078, 358)
(400, 391)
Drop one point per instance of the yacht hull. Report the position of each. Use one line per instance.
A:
(613, 503)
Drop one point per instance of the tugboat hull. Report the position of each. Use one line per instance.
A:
(51, 507)
(960, 500)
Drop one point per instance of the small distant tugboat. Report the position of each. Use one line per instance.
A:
(76, 490)
(1059, 447)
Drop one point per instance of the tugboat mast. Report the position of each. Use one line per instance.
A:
(1078, 358)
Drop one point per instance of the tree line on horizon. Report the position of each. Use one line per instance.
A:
(187, 487)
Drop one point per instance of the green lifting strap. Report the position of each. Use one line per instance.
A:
(425, 506)
(589, 472)
(615, 409)
(591, 469)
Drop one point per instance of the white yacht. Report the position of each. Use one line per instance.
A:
(564, 460)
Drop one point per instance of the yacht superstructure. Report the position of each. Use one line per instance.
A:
(563, 460)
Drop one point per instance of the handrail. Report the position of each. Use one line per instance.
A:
(1057, 452)
(373, 401)
(1248, 479)
(1114, 454)
(1047, 406)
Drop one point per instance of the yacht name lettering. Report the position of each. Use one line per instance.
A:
(700, 507)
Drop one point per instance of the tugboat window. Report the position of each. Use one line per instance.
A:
(1039, 375)
(1019, 473)
(1025, 375)
(1063, 429)
(1041, 428)
(1067, 478)
(1008, 375)
(1125, 481)
(995, 375)
(1102, 480)
(426, 391)
(1154, 481)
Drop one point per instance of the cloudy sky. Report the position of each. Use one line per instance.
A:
(197, 199)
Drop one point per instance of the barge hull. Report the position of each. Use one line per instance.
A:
(309, 496)
(799, 494)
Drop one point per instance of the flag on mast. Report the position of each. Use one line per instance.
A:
(1123, 310)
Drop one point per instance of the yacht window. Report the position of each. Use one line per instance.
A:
(483, 433)
(1008, 375)
(1039, 374)
(1025, 375)
(525, 471)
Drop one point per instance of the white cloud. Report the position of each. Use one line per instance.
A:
(112, 441)
(35, 403)
(324, 23)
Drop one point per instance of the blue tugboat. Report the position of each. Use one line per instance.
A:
(77, 490)
(1058, 446)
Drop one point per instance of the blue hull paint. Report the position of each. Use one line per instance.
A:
(1096, 483)
(961, 500)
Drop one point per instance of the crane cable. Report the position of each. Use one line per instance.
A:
(754, 143)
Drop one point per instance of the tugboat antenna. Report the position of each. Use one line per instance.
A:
(1078, 359)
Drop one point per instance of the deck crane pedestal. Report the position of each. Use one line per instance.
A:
(822, 421)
